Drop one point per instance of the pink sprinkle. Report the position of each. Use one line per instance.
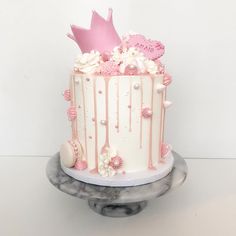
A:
(80, 165)
(67, 95)
(147, 112)
(72, 114)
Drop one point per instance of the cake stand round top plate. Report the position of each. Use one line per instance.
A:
(97, 193)
(123, 180)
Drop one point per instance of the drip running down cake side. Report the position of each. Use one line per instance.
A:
(117, 104)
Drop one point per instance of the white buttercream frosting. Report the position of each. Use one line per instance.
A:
(88, 62)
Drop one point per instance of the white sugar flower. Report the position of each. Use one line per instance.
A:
(151, 67)
(87, 62)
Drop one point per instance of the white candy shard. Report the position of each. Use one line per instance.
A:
(167, 104)
(160, 88)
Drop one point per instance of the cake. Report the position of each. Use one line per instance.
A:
(117, 104)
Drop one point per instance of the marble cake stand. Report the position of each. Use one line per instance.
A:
(116, 201)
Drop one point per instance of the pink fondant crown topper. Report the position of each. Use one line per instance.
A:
(101, 36)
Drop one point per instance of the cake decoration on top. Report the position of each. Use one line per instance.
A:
(101, 36)
(105, 53)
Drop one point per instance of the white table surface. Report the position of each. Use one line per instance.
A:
(31, 206)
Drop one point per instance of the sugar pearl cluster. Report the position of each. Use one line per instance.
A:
(109, 163)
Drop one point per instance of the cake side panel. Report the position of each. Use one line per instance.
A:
(158, 120)
(125, 132)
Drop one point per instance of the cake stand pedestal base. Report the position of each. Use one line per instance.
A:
(117, 210)
(116, 201)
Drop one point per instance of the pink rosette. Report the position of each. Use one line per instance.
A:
(116, 162)
(167, 79)
(147, 112)
(67, 95)
(109, 68)
(72, 113)
(80, 165)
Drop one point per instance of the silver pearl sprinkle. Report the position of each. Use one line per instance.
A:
(136, 86)
(103, 122)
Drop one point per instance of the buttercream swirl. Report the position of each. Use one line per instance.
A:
(88, 62)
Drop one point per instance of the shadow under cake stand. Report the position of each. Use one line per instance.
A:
(116, 201)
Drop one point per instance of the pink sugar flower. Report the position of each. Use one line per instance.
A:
(116, 162)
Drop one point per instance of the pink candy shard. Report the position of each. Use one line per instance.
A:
(147, 112)
(67, 95)
(116, 162)
(80, 165)
(165, 150)
(167, 79)
(101, 36)
(72, 113)
(152, 49)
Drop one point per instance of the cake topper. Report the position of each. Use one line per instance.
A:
(101, 36)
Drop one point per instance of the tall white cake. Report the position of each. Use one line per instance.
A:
(117, 97)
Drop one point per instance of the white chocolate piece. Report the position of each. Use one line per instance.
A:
(160, 87)
(167, 104)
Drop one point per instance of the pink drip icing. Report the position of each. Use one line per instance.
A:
(130, 105)
(95, 124)
(161, 128)
(141, 117)
(150, 165)
(106, 145)
(84, 111)
(162, 121)
(118, 107)
(72, 103)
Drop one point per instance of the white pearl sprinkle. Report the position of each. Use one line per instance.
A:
(103, 122)
(136, 86)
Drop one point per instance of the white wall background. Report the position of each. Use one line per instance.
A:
(36, 58)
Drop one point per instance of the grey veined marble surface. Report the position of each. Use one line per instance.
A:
(116, 195)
